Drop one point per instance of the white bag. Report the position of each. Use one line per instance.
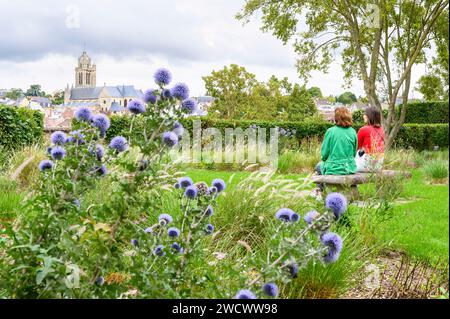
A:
(361, 162)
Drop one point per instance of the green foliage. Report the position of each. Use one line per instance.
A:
(238, 95)
(347, 98)
(417, 112)
(35, 90)
(436, 170)
(431, 88)
(422, 136)
(14, 94)
(315, 92)
(20, 127)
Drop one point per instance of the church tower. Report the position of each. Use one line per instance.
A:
(85, 72)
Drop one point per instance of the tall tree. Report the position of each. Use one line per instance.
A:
(347, 98)
(379, 39)
(14, 94)
(315, 92)
(35, 90)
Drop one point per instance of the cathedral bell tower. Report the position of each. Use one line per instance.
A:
(85, 72)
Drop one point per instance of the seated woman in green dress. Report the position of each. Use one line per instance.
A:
(339, 146)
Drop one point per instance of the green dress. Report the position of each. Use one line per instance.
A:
(338, 151)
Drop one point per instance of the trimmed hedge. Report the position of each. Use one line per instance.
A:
(20, 127)
(418, 136)
(418, 113)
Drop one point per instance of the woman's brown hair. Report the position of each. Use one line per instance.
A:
(373, 116)
(343, 117)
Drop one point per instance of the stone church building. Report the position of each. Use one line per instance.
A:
(104, 98)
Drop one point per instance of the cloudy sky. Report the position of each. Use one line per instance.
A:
(41, 40)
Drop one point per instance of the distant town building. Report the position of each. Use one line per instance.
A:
(101, 98)
(41, 101)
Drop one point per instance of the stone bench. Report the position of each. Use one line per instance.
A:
(350, 183)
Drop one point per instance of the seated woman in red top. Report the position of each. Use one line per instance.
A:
(370, 142)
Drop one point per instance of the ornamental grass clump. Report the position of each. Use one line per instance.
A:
(295, 243)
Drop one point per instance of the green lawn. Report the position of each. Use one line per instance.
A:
(420, 227)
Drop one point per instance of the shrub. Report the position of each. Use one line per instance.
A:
(422, 136)
(20, 127)
(417, 112)
(436, 170)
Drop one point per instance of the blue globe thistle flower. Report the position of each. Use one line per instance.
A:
(149, 96)
(100, 281)
(284, 214)
(293, 269)
(99, 152)
(189, 105)
(178, 129)
(135, 243)
(270, 289)
(219, 184)
(45, 165)
(334, 243)
(77, 138)
(190, 192)
(170, 138)
(177, 186)
(185, 182)
(180, 91)
(83, 114)
(58, 153)
(212, 190)
(58, 138)
(209, 211)
(245, 294)
(136, 106)
(148, 230)
(166, 93)
(101, 122)
(159, 251)
(173, 232)
(166, 218)
(295, 217)
(119, 143)
(76, 202)
(49, 150)
(101, 170)
(337, 203)
(209, 229)
(162, 76)
(176, 247)
(311, 216)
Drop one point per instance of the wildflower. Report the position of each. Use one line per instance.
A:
(150, 97)
(166, 93)
(177, 186)
(173, 232)
(185, 182)
(311, 216)
(295, 217)
(101, 122)
(212, 190)
(135, 243)
(189, 105)
(293, 269)
(58, 153)
(219, 185)
(49, 150)
(119, 143)
(270, 289)
(159, 251)
(136, 106)
(58, 138)
(245, 294)
(202, 188)
(83, 114)
(45, 165)
(148, 230)
(284, 214)
(209, 229)
(76, 202)
(178, 129)
(176, 247)
(166, 218)
(190, 192)
(101, 170)
(77, 138)
(180, 91)
(170, 138)
(209, 211)
(99, 152)
(100, 281)
(163, 77)
(337, 203)
(334, 243)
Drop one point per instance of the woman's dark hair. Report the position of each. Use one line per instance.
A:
(373, 116)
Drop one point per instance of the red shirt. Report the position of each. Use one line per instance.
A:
(371, 138)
